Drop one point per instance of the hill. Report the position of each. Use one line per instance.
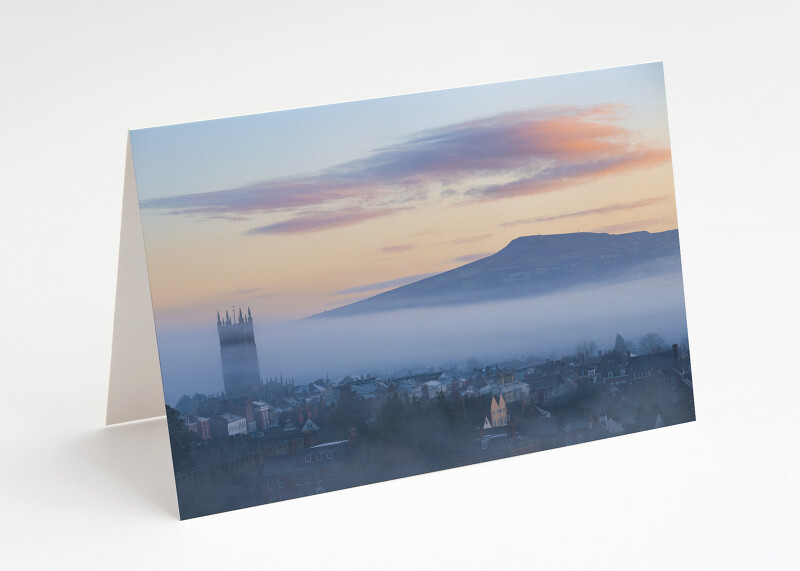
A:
(534, 265)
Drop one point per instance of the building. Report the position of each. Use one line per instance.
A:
(499, 411)
(314, 470)
(228, 424)
(263, 414)
(199, 425)
(644, 367)
(237, 346)
(541, 389)
(514, 391)
(241, 407)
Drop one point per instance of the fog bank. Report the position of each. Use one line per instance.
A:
(409, 340)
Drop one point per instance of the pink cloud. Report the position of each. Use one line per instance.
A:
(541, 150)
(399, 248)
(314, 222)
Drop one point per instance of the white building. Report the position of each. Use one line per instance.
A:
(234, 423)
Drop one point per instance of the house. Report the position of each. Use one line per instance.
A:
(200, 425)
(541, 389)
(368, 389)
(228, 424)
(313, 470)
(420, 378)
(499, 412)
(428, 389)
(263, 415)
(612, 372)
(522, 374)
(289, 425)
(241, 406)
(495, 446)
(516, 391)
(575, 430)
(309, 426)
(643, 366)
(606, 426)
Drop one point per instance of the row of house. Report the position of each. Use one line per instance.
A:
(233, 417)
(502, 386)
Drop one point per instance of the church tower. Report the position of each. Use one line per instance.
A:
(237, 346)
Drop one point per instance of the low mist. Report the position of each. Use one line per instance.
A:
(416, 339)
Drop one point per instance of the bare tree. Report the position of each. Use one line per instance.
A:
(651, 343)
(585, 350)
(620, 348)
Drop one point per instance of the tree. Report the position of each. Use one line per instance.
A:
(585, 350)
(651, 343)
(620, 347)
(350, 412)
(393, 414)
(180, 439)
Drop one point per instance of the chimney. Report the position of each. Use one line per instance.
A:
(675, 356)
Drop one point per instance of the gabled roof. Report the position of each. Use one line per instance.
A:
(494, 442)
(543, 383)
(293, 463)
(662, 360)
(576, 423)
(309, 426)
(469, 392)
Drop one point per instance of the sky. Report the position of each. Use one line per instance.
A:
(295, 212)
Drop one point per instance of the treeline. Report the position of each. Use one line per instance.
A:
(400, 436)
(651, 343)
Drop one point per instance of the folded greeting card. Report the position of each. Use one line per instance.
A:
(348, 294)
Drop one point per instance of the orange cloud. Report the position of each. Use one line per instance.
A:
(539, 150)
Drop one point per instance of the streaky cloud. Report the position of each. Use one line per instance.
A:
(470, 239)
(623, 206)
(397, 249)
(314, 222)
(469, 258)
(559, 175)
(532, 151)
(631, 226)
(397, 282)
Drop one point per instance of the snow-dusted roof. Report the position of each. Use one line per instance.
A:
(327, 444)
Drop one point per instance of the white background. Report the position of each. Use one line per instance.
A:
(718, 493)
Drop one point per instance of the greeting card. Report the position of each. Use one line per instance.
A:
(347, 294)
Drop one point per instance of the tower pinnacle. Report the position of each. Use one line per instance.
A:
(240, 370)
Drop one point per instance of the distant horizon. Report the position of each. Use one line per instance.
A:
(304, 212)
(298, 211)
(308, 349)
(405, 281)
(675, 337)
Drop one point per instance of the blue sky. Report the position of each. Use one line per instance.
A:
(225, 153)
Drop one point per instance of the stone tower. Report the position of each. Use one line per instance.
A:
(237, 347)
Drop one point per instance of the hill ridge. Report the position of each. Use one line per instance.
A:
(533, 265)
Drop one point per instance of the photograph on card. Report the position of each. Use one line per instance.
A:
(359, 292)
